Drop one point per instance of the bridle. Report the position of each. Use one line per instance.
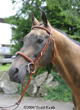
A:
(37, 59)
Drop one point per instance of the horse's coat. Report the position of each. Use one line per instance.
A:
(67, 61)
(67, 56)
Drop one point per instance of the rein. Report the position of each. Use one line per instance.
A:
(35, 61)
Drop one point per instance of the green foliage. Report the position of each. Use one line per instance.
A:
(44, 69)
(61, 92)
(21, 21)
(4, 67)
(20, 27)
(64, 15)
(21, 89)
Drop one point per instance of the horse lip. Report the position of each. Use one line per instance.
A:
(15, 79)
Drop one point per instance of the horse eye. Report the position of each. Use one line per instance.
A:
(40, 41)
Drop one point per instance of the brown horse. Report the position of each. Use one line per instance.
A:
(66, 60)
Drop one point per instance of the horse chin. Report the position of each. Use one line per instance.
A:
(21, 77)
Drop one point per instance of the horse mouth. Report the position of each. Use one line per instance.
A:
(18, 76)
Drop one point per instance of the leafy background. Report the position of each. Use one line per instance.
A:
(64, 15)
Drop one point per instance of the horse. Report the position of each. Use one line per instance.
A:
(43, 45)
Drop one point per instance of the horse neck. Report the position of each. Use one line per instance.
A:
(66, 58)
(65, 48)
(63, 44)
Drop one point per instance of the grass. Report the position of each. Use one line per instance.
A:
(4, 67)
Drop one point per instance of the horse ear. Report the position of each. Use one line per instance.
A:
(44, 19)
(34, 20)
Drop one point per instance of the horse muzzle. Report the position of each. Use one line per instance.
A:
(18, 74)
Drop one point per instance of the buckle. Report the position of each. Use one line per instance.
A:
(29, 66)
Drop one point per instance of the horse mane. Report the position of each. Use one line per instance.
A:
(78, 43)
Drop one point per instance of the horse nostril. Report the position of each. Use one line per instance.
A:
(16, 70)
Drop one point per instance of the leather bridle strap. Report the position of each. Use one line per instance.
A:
(40, 27)
(20, 53)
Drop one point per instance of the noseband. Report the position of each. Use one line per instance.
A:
(35, 61)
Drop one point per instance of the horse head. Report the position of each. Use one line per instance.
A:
(34, 42)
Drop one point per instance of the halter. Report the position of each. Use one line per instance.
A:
(36, 60)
